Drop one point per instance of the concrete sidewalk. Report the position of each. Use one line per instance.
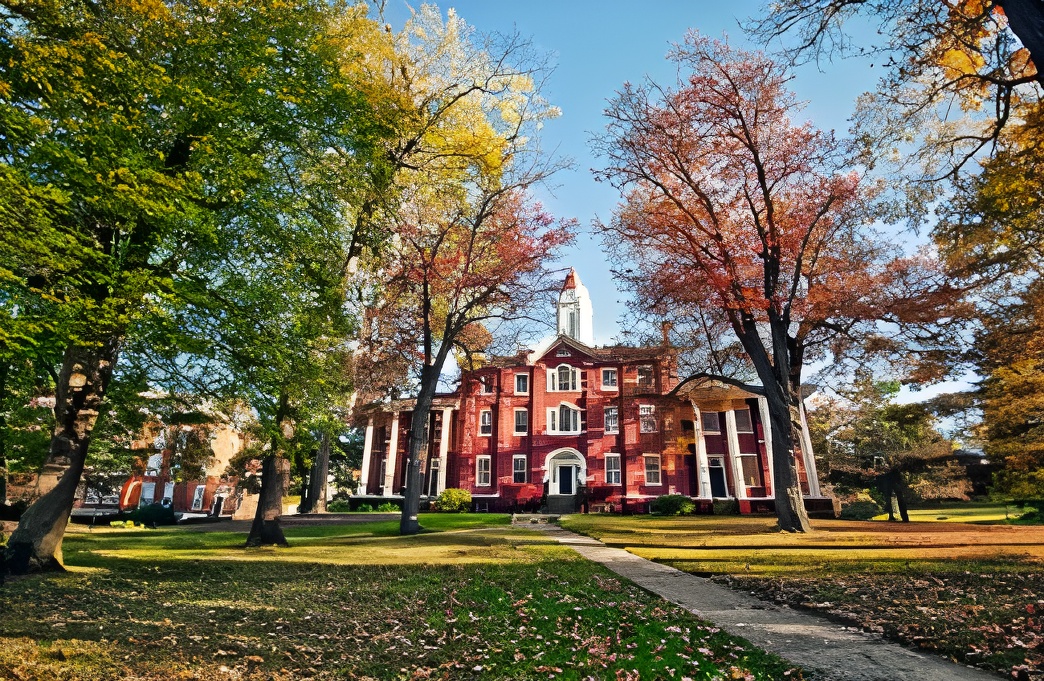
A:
(830, 650)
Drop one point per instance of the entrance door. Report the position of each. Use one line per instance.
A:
(690, 469)
(717, 477)
(565, 479)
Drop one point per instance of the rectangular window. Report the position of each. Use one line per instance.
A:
(485, 422)
(612, 420)
(612, 469)
(486, 383)
(743, 424)
(518, 468)
(710, 422)
(521, 384)
(521, 422)
(647, 418)
(652, 469)
(751, 470)
(482, 471)
(645, 376)
(609, 379)
(563, 420)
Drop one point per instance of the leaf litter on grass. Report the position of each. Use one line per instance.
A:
(990, 617)
(525, 611)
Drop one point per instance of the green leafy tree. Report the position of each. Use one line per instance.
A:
(867, 441)
(138, 139)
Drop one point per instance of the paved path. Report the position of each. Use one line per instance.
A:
(834, 651)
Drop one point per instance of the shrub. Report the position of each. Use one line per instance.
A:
(860, 510)
(726, 507)
(153, 514)
(672, 504)
(339, 506)
(364, 508)
(454, 500)
(388, 507)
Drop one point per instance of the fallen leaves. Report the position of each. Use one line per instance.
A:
(981, 618)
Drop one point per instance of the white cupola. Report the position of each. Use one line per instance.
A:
(575, 314)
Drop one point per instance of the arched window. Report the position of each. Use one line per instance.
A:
(562, 379)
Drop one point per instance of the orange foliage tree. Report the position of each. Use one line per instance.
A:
(453, 267)
(734, 211)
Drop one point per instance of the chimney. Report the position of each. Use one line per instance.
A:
(665, 328)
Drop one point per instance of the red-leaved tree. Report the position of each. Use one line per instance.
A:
(454, 266)
(734, 211)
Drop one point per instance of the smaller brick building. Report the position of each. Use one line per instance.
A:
(569, 426)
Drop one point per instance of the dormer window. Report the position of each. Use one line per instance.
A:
(645, 377)
(562, 379)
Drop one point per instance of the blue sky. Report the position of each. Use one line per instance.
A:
(599, 45)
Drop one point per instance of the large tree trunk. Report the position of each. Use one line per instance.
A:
(319, 474)
(265, 530)
(1026, 18)
(409, 523)
(778, 376)
(790, 507)
(36, 545)
(4, 369)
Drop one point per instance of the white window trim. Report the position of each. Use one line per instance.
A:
(479, 472)
(618, 470)
(485, 384)
(651, 412)
(652, 375)
(521, 392)
(659, 469)
(717, 418)
(552, 380)
(481, 424)
(515, 426)
(750, 421)
(553, 424)
(615, 431)
(615, 385)
(525, 468)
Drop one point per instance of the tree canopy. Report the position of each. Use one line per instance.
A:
(734, 210)
(149, 148)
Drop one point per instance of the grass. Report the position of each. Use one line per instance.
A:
(471, 598)
(971, 592)
(986, 512)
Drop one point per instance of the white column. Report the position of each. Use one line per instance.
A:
(393, 450)
(702, 465)
(364, 474)
(807, 454)
(766, 428)
(447, 431)
(734, 460)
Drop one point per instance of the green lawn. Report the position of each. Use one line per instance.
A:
(470, 598)
(968, 591)
(986, 512)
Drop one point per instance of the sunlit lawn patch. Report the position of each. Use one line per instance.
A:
(351, 601)
(972, 592)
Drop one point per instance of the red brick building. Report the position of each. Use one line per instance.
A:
(570, 425)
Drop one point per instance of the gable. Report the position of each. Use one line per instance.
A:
(564, 348)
